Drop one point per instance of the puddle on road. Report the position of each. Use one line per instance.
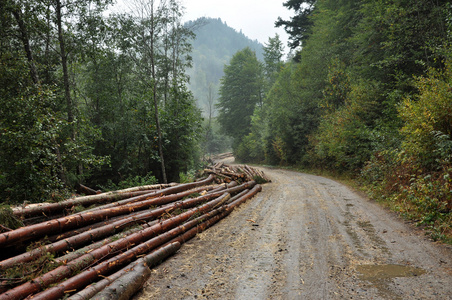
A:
(380, 276)
(381, 272)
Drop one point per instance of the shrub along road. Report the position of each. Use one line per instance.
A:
(306, 237)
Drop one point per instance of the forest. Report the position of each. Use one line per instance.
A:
(367, 95)
(87, 96)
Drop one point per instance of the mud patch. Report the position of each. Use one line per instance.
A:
(369, 229)
(382, 272)
(380, 277)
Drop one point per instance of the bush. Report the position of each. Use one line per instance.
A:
(131, 181)
(428, 119)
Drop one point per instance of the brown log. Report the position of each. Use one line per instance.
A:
(219, 174)
(44, 280)
(153, 202)
(147, 187)
(70, 268)
(173, 196)
(127, 285)
(53, 208)
(83, 189)
(85, 277)
(81, 251)
(236, 202)
(242, 193)
(109, 229)
(107, 197)
(84, 218)
(223, 186)
(67, 234)
(82, 279)
(207, 220)
(218, 214)
(34, 254)
(149, 260)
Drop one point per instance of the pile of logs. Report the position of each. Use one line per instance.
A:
(106, 251)
(240, 173)
(222, 156)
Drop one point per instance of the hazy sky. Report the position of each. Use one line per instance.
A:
(256, 18)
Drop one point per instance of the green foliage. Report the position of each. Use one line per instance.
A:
(216, 142)
(415, 176)
(252, 146)
(273, 52)
(336, 92)
(428, 119)
(182, 125)
(87, 114)
(288, 118)
(299, 26)
(380, 112)
(7, 218)
(345, 137)
(240, 92)
(259, 180)
(131, 181)
(24, 272)
(30, 162)
(187, 177)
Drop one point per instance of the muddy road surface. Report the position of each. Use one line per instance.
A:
(306, 237)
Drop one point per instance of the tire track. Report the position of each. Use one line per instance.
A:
(306, 237)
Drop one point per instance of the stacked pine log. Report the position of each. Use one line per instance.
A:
(107, 251)
(222, 156)
(240, 173)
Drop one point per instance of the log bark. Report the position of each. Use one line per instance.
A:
(169, 197)
(83, 189)
(207, 221)
(148, 187)
(149, 261)
(131, 245)
(127, 285)
(85, 218)
(88, 259)
(81, 251)
(53, 208)
(84, 278)
(107, 230)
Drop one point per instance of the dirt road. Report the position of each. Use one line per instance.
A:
(306, 237)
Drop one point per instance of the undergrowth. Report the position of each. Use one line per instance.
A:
(131, 181)
(23, 272)
(420, 194)
(7, 219)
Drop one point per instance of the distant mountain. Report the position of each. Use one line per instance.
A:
(213, 47)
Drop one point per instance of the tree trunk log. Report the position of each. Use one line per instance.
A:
(88, 259)
(84, 218)
(120, 278)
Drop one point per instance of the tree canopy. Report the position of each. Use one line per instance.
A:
(90, 98)
(240, 91)
(366, 95)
